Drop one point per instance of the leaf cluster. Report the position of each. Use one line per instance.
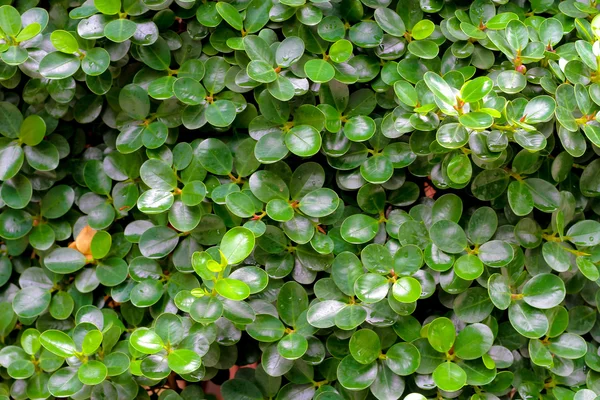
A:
(370, 199)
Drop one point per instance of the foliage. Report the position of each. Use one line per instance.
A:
(190, 185)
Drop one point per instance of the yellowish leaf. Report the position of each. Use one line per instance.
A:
(83, 241)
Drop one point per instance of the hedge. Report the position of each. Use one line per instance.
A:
(367, 198)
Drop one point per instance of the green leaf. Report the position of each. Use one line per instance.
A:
(544, 291)
(273, 364)
(260, 70)
(237, 244)
(359, 228)
(230, 14)
(449, 377)
(588, 268)
(528, 321)
(468, 267)
(266, 186)
(282, 88)
(391, 22)
(476, 89)
(10, 120)
(422, 29)
(208, 15)
(539, 353)
(568, 345)
(189, 91)
(359, 128)
(108, 7)
(584, 233)
(206, 309)
(214, 156)
(232, 289)
(58, 343)
(406, 289)
(184, 361)
(403, 358)
(353, 375)
(266, 328)
(366, 34)
(61, 306)
(371, 288)
(14, 224)
(303, 140)
(322, 314)
(155, 201)
(279, 210)
(539, 109)
(59, 65)
(289, 51)
(146, 293)
(496, 253)
(448, 236)
(406, 92)
(31, 302)
(292, 301)
(21, 369)
(11, 160)
(440, 88)
(95, 62)
(91, 342)
(64, 261)
(319, 71)
(473, 342)
(32, 130)
(156, 56)
(292, 346)
(319, 203)
(64, 382)
(134, 100)
(441, 334)
(451, 135)
(545, 196)
(499, 291)
(29, 32)
(350, 317)
(15, 55)
(16, 192)
(92, 373)
(120, 30)
(236, 388)
(341, 51)
(511, 82)
(64, 42)
(146, 341)
(482, 225)
(520, 198)
(10, 20)
(472, 305)
(365, 346)
(424, 49)
(517, 35)
(476, 120)
(501, 20)
(95, 178)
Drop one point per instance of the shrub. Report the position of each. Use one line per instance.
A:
(371, 199)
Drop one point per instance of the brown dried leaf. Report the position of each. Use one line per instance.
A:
(83, 242)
